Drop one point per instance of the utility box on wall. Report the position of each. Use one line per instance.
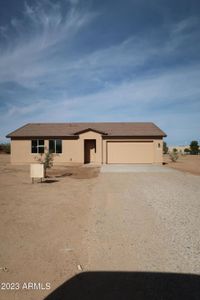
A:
(37, 171)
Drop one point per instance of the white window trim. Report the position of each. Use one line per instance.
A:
(55, 140)
(38, 146)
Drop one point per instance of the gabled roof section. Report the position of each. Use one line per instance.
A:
(90, 129)
(129, 129)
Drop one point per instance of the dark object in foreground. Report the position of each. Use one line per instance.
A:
(5, 148)
(129, 285)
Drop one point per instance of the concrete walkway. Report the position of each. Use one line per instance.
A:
(135, 168)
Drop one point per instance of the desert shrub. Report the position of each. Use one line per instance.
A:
(173, 156)
(165, 148)
(181, 152)
(46, 159)
(5, 148)
(187, 151)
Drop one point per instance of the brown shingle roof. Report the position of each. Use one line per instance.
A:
(71, 129)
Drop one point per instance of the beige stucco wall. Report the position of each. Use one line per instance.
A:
(90, 135)
(158, 151)
(73, 150)
(21, 152)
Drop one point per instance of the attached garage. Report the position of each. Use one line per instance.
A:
(130, 152)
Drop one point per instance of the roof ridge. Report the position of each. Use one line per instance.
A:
(110, 122)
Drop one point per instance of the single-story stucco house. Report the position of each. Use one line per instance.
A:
(101, 143)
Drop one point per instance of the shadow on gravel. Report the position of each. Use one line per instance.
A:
(129, 285)
(49, 181)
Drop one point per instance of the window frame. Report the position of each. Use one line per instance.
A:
(55, 150)
(38, 146)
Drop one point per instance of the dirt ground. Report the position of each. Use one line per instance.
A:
(42, 226)
(185, 163)
(111, 222)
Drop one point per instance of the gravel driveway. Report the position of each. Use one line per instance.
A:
(145, 222)
(135, 168)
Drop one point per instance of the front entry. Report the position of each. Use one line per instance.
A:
(89, 151)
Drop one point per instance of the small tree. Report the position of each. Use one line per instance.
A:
(46, 159)
(165, 148)
(194, 147)
(175, 150)
(173, 156)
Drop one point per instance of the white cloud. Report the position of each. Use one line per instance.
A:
(33, 57)
(138, 97)
(19, 111)
(168, 99)
(44, 28)
(182, 26)
(3, 31)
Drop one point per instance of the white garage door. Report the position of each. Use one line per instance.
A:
(130, 152)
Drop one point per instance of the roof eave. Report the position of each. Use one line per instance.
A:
(136, 136)
(43, 136)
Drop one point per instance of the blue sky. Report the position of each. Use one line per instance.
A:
(108, 60)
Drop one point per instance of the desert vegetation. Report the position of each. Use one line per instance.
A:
(5, 148)
(46, 159)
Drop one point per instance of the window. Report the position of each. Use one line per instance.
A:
(158, 145)
(55, 146)
(37, 146)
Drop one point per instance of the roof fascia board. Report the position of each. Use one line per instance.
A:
(71, 137)
(132, 136)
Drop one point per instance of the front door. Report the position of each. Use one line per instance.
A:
(89, 151)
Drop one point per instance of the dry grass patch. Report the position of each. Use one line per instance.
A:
(78, 171)
(185, 163)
